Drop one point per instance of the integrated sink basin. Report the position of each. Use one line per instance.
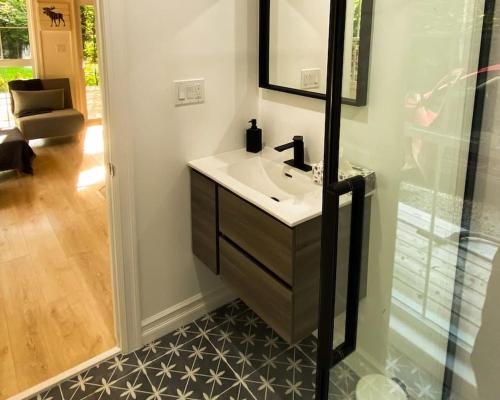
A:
(272, 179)
(263, 179)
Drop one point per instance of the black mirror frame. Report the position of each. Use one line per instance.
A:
(364, 56)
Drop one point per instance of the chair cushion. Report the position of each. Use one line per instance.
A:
(56, 123)
(34, 100)
(26, 84)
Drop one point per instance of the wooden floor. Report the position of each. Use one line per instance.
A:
(55, 272)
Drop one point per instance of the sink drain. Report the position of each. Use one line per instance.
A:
(275, 199)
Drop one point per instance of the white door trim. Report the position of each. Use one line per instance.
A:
(121, 201)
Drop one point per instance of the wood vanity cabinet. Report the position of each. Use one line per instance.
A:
(204, 234)
(272, 267)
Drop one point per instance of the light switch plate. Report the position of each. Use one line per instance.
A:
(310, 78)
(190, 91)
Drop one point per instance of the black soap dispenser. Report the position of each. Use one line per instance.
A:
(254, 138)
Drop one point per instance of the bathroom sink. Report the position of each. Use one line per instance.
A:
(273, 179)
(263, 179)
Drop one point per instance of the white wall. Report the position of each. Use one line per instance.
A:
(156, 42)
(283, 116)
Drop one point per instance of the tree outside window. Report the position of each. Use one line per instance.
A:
(89, 39)
(14, 42)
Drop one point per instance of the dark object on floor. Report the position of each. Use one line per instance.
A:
(227, 354)
(64, 122)
(15, 152)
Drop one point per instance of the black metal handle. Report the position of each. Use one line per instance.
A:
(356, 185)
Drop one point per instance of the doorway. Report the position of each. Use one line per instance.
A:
(57, 299)
(90, 57)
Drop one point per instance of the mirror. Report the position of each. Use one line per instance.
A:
(294, 47)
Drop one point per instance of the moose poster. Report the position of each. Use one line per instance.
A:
(54, 16)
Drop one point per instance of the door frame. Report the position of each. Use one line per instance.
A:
(118, 156)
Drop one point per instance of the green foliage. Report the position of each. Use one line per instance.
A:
(13, 15)
(89, 38)
(10, 73)
(91, 74)
(87, 15)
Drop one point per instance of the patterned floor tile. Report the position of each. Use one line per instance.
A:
(228, 354)
(52, 394)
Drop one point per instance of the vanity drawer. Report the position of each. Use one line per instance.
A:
(270, 299)
(265, 238)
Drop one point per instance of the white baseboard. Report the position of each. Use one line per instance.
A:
(66, 375)
(172, 318)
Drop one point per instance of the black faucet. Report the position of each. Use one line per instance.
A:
(298, 153)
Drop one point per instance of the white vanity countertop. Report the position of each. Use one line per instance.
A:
(262, 179)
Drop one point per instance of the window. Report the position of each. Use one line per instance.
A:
(16, 61)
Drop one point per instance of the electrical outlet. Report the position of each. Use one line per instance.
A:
(191, 91)
(310, 78)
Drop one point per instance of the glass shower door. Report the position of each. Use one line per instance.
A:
(427, 324)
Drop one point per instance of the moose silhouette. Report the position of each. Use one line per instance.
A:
(55, 17)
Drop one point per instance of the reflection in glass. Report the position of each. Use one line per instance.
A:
(298, 45)
(431, 132)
